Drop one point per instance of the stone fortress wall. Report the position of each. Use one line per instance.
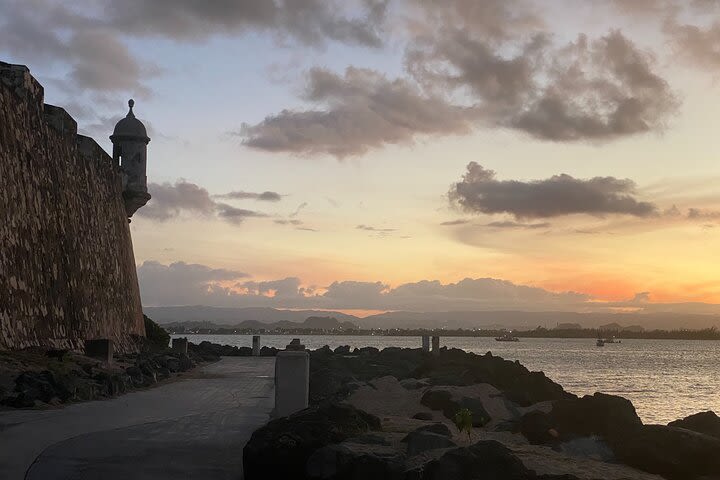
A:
(67, 268)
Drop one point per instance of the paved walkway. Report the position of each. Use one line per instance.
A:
(193, 428)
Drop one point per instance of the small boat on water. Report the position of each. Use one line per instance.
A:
(600, 342)
(507, 337)
(611, 340)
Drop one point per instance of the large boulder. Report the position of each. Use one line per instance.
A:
(674, 453)
(703, 422)
(282, 448)
(538, 428)
(420, 441)
(342, 462)
(438, 428)
(440, 400)
(486, 460)
(599, 414)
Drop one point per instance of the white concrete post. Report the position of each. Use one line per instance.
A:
(436, 345)
(256, 345)
(426, 343)
(292, 380)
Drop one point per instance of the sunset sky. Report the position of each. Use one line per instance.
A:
(371, 155)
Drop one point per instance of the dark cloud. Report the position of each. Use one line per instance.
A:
(288, 222)
(496, 20)
(299, 209)
(170, 200)
(308, 21)
(451, 223)
(586, 90)
(88, 36)
(697, 45)
(46, 31)
(364, 110)
(517, 225)
(370, 228)
(240, 195)
(699, 214)
(480, 192)
(235, 215)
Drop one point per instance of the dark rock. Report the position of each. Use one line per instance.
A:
(414, 384)
(58, 354)
(438, 428)
(440, 400)
(422, 441)
(338, 462)
(538, 428)
(244, 352)
(281, 448)
(173, 364)
(268, 351)
(703, 422)
(674, 453)
(368, 351)
(32, 387)
(598, 414)
(486, 460)
(370, 439)
(342, 350)
(185, 362)
(427, 416)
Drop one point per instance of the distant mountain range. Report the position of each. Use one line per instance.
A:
(468, 320)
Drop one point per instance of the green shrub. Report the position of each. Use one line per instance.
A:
(156, 336)
(464, 421)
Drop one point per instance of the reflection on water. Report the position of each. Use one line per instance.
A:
(665, 379)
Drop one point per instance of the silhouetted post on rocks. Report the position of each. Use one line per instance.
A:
(256, 345)
(436, 345)
(426, 343)
(292, 379)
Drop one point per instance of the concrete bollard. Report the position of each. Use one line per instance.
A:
(256, 345)
(180, 345)
(426, 343)
(100, 348)
(436, 345)
(292, 379)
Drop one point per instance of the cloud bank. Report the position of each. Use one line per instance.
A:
(480, 191)
(171, 200)
(190, 284)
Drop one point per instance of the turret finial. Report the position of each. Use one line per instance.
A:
(131, 104)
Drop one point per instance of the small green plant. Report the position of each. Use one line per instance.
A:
(464, 421)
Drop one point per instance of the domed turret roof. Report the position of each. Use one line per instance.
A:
(130, 127)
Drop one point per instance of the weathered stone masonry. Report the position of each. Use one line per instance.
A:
(67, 268)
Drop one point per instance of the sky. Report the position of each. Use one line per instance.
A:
(373, 155)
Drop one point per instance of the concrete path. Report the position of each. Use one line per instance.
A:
(187, 429)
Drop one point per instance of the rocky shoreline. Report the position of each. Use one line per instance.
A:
(393, 414)
(40, 378)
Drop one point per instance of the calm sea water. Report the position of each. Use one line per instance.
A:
(665, 379)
